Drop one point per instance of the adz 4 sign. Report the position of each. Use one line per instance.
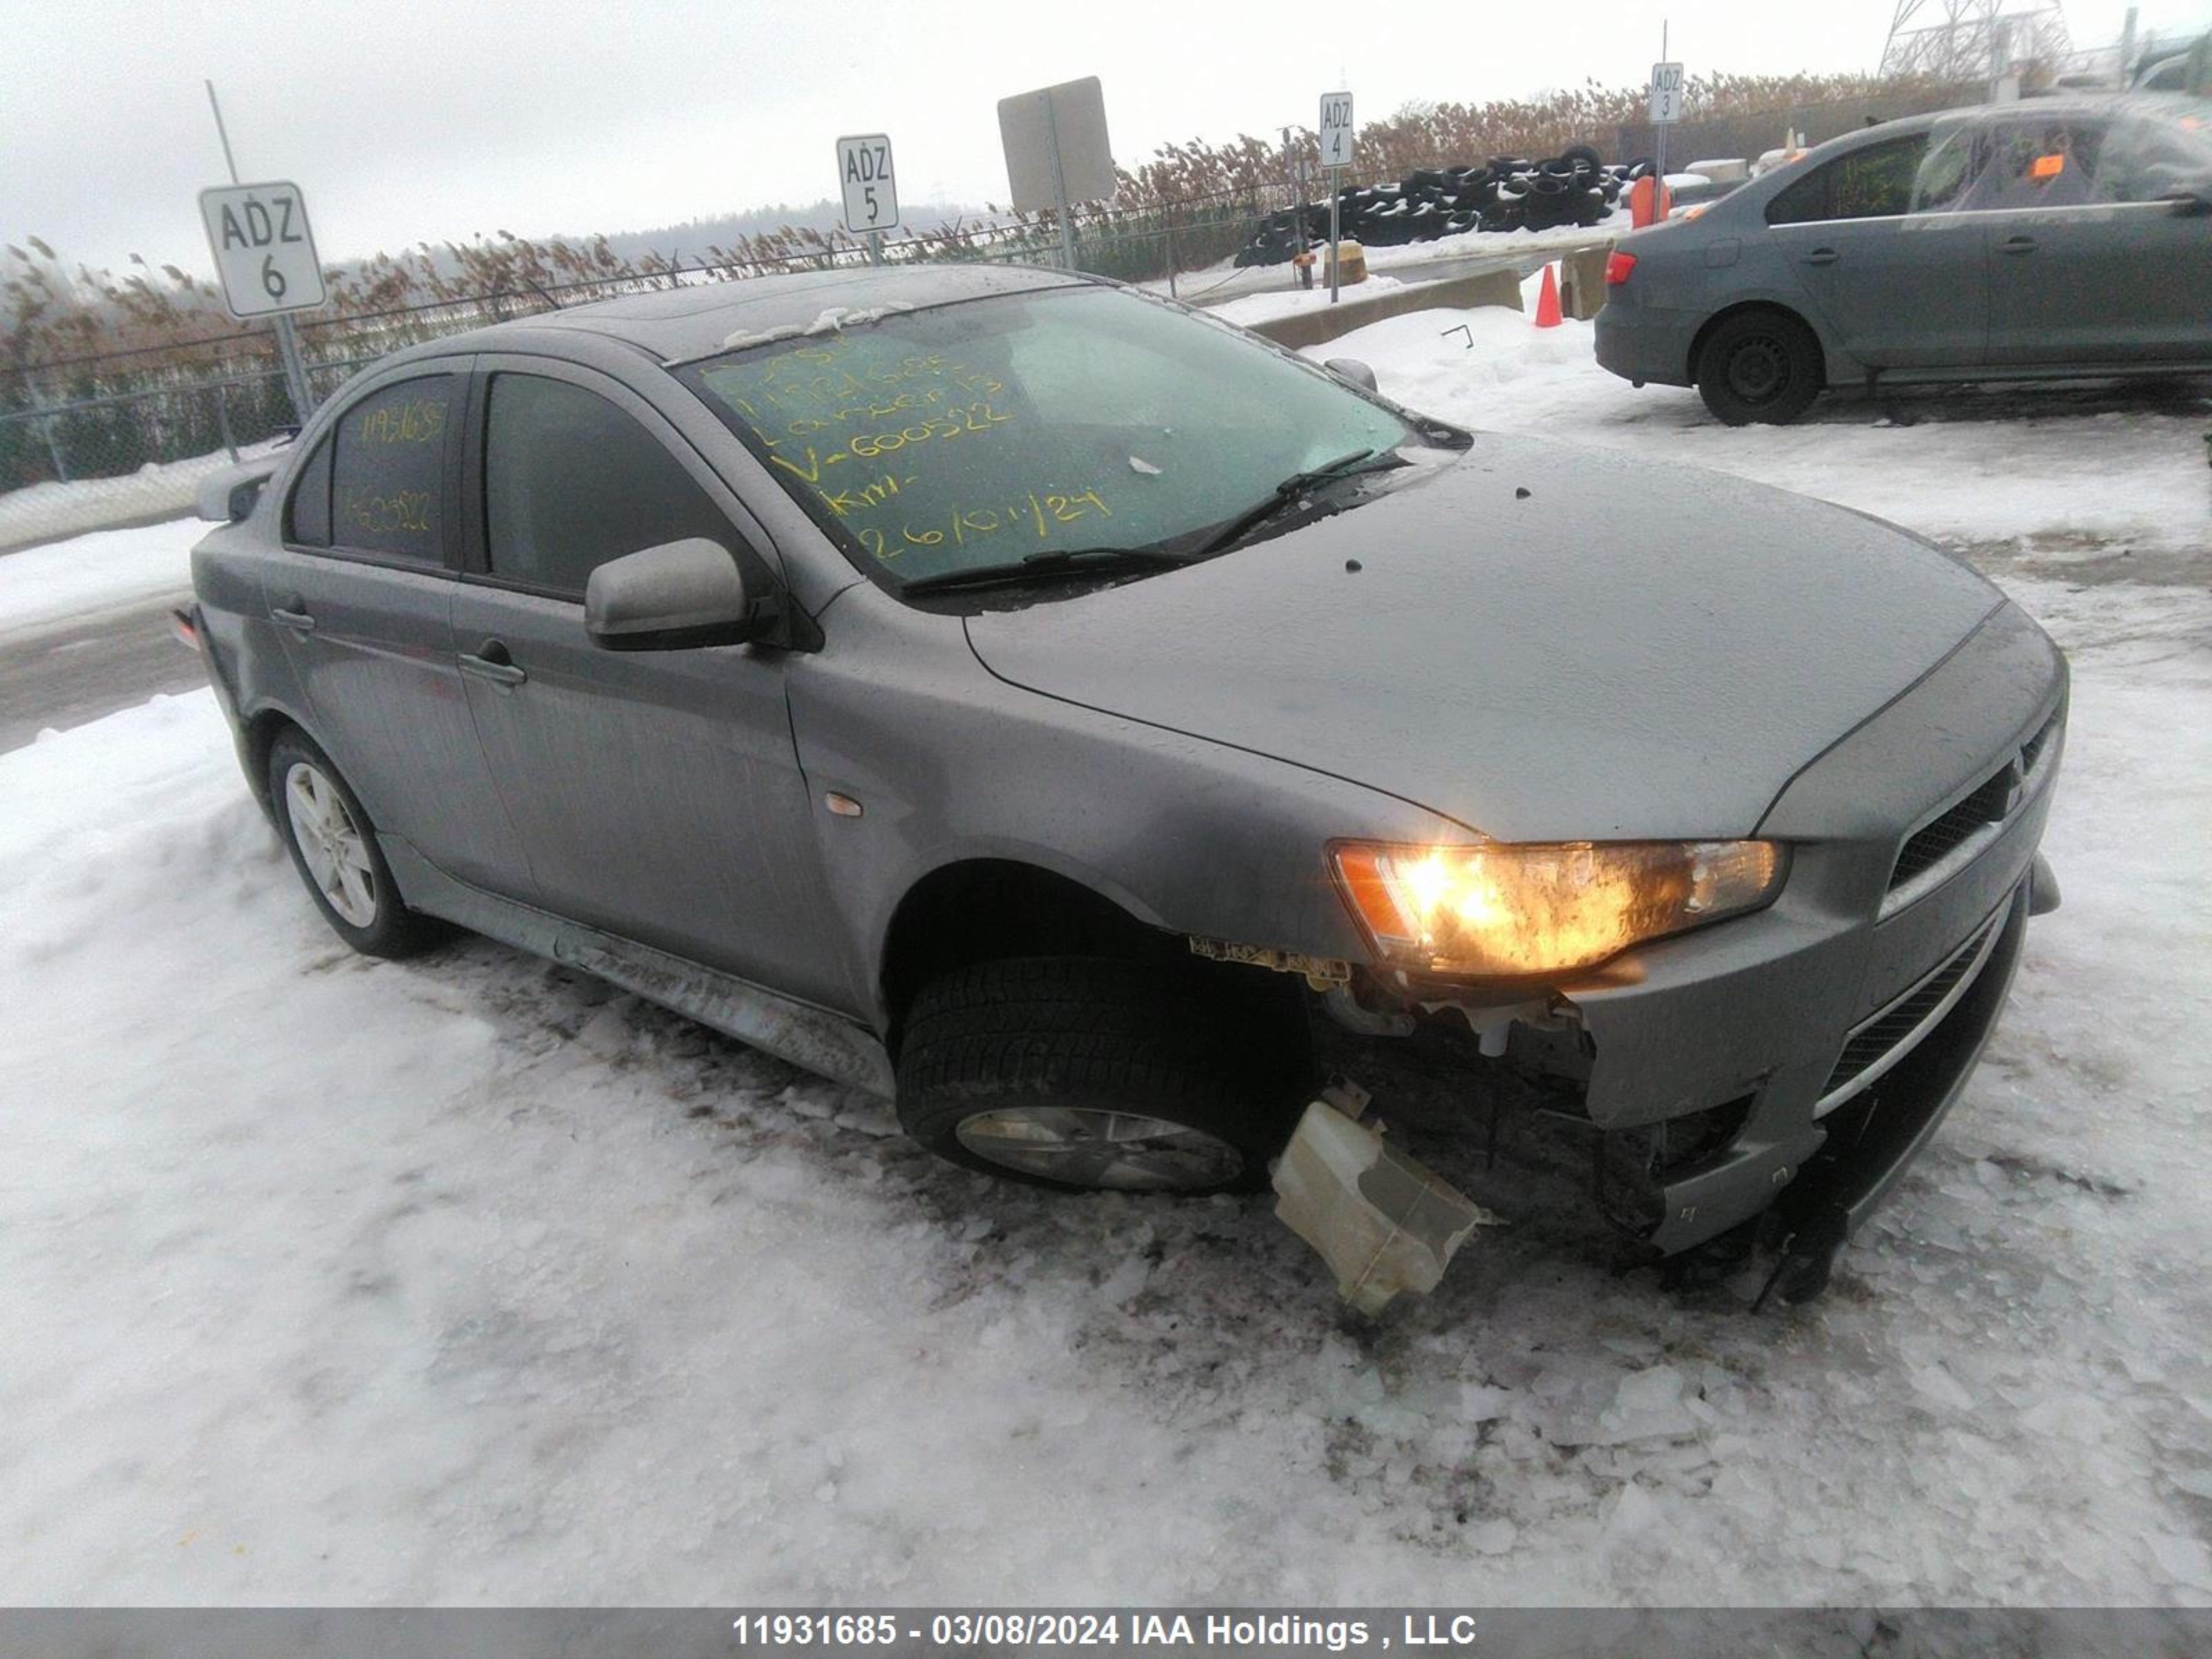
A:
(264, 251)
(863, 166)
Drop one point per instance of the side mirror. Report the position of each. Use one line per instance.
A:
(673, 597)
(1351, 369)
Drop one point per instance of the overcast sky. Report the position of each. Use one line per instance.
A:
(411, 119)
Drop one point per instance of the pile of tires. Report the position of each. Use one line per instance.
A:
(1508, 193)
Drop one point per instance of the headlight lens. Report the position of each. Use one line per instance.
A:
(1516, 908)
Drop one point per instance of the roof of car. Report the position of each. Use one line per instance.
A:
(675, 325)
(2040, 105)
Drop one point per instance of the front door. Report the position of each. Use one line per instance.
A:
(359, 596)
(657, 793)
(1897, 278)
(2090, 263)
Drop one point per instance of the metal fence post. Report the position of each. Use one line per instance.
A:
(223, 420)
(54, 449)
(1169, 220)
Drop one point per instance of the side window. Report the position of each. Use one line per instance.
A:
(1873, 183)
(1803, 203)
(2151, 161)
(1876, 182)
(388, 470)
(1953, 162)
(2040, 164)
(307, 515)
(571, 482)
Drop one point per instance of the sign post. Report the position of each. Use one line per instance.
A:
(264, 258)
(871, 189)
(1336, 135)
(1666, 111)
(1057, 153)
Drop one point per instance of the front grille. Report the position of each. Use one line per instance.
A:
(1927, 845)
(1993, 801)
(2032, 749)
(1887, 1038)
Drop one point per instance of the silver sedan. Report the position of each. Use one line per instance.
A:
(2048, 239)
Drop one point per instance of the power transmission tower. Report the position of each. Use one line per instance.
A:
(1962, 39)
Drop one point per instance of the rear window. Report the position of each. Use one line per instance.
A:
(388, 470)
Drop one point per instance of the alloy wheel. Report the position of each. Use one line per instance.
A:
(1087, 1146)
(331, 844)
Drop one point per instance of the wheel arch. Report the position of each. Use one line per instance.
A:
(978, 908)
(258, 736)
(1743, 307)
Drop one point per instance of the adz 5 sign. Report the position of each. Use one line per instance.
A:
(863, 166)
(264, 251)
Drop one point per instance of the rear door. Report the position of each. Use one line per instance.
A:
(2091, 263)
(359, 595)
(657, 793)
(1895, 275)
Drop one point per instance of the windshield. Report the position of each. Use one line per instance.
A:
(1068, 419)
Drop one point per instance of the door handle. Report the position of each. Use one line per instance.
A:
(492, 661)
(293, 616)
(1822, 256)
(2019, 244)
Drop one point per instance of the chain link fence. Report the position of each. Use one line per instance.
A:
(124, 437)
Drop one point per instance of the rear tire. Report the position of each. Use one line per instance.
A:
(333, 847)
(1759, 365)
(1090, 1073)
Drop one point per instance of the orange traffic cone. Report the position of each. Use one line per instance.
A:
(1547, 299)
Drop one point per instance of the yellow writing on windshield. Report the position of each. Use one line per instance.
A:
(1038, 511)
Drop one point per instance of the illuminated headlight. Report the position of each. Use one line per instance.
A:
(1513, 909)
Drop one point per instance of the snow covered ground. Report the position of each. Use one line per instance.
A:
(468, 1280)
(87, 574)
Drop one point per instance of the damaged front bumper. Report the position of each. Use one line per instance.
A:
(1793, 1062)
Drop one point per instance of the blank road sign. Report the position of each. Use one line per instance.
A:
(1666, 95)
(263, 251)
(1073, 115)
(1336, 130)
(864, 167)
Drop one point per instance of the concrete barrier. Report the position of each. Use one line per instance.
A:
(1302, 329)
(1582, 286)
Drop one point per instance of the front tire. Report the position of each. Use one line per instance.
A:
(1090, 1073)
(1759, 365)
(333, 847)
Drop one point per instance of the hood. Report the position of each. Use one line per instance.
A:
(1632, 650)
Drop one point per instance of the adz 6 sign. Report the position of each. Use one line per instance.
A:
(863, 166)
(264, 251)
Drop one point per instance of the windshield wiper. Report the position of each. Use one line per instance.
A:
(1056, 564)
(1292, 488)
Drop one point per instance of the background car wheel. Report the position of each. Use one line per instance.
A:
(333, 847)
(1759, 365)
(1088, 1074)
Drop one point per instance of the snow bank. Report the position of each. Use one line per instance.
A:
(39, 585)
(2055, 463)
(467, 1280)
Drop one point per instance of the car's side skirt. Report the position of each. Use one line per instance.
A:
(820, 1041)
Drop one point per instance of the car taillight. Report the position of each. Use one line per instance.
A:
(185, 627)
(1617, 268)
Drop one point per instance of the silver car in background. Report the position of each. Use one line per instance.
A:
(2054, 238)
